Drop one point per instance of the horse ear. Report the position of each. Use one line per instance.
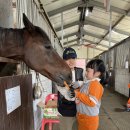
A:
(27, 23)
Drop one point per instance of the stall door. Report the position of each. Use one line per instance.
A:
(16, 109)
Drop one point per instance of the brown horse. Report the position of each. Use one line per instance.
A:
(32, 45)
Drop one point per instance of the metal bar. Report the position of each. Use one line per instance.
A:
(107, 5)
(110, 29)
(87, 53)
(62, 36)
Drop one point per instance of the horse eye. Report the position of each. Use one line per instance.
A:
(48, 47)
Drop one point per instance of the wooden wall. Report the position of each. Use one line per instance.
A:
(22, 117)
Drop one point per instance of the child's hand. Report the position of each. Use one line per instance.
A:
(75, 85)
(76, 91)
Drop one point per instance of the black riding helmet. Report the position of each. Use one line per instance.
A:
(69, 53)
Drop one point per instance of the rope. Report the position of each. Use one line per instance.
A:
(38, 79)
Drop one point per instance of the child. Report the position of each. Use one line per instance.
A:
(89, 96)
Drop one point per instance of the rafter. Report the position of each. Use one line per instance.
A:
(65, 8)
(89, 34)
(117, 22)
(99, 37)
(91, 3)
(76, 40)
(68, 25)
(88, 47)
(92, 23)
(89, 22)
(69, 35)
(113, 8)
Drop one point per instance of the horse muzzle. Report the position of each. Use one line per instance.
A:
(61, 79)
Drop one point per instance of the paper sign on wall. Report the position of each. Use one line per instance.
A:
(13, 98)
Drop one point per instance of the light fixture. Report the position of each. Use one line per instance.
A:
(89, 10)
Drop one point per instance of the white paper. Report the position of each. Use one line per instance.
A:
(13, 98)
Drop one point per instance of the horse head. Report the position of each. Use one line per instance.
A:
(40, 56)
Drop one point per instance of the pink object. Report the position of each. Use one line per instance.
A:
(49, 121)
(51, 97)
(81, 63)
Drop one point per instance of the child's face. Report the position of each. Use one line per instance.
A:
(71, 63)
(90, 74)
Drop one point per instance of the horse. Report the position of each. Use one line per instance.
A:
(32, 46)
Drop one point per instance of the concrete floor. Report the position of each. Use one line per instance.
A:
(110, 118)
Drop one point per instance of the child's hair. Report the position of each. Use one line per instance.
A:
(97, 65)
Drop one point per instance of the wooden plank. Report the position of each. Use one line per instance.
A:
(3, 59)
(22, 117)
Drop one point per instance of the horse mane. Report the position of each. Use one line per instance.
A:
(15, 36)
(12, 35)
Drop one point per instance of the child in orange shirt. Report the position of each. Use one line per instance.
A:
(89, 96)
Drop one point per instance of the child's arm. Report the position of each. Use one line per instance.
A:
(95, 93)
(85, 99)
